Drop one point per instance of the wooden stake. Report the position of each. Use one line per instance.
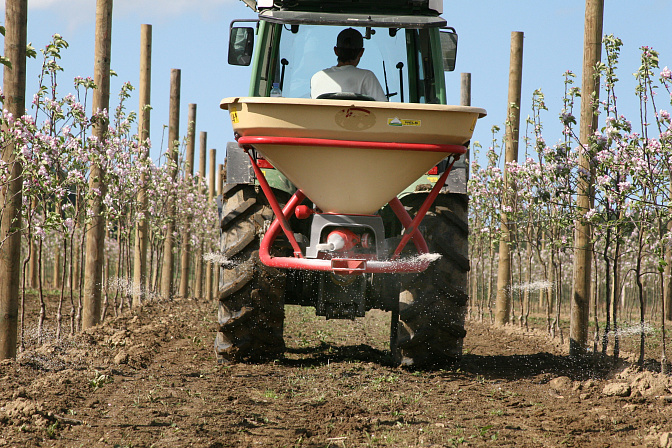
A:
(465, 90)
(465, 100)
(199, 277)
(141, 233)
(590, 92)
(191, 142)
(212, 178)
(503, 304)
(14, 87)
(209, 293)
(173, 149)
(221, 177)
(95, 238)
(188, 176)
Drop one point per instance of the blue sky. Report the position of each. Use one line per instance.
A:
(192, 36)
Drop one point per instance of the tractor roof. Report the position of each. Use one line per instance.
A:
(342, 19)
(404, 7)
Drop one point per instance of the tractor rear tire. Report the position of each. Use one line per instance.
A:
(251, 296)
(432, 305)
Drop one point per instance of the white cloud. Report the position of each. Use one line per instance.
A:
(168, 7)
(80, 12)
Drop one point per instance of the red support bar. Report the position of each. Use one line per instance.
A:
(274, 229)
(394, 146)
(350, 266)
(362, 266)
(412, 228)
(405, 219)
(275, 205)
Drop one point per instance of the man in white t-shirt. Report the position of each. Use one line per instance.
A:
(345, 76)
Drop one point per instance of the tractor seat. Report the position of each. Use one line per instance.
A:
(345, 96)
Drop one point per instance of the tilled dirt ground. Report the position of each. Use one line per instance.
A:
(149, 378)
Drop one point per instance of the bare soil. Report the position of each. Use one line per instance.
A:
(149, 378)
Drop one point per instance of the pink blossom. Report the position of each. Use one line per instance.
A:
(603, 180)
(39, 232)
(666, 73)
(654, 144)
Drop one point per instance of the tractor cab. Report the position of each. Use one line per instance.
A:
(287, 45)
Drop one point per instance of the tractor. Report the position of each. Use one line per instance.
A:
(340, 202)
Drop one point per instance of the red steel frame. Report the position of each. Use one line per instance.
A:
(346, 265)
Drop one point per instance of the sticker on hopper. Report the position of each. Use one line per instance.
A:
(234, 114)
(355, 119)
(398, 122)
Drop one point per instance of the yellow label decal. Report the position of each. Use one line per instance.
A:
(396, 121)
(234, 116)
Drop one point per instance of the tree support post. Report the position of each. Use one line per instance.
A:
(173, 150)
(590, 93)
(200, 265)
(141, 233)
(14, 87)
(189, 178)
(503, 303)
(95, 237)
(209, 286)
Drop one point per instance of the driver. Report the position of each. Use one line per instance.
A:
(345, 76)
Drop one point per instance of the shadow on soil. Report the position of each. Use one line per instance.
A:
(515, 367)
(326, 353)
(490, 367)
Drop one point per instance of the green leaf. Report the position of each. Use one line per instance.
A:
(30, 51)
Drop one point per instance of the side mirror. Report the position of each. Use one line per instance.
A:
(241, 45)
(448, 49)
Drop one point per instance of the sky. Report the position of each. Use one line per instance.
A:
(193, 36)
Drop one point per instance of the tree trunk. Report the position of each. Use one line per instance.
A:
(14, 89)
(58, 268)
(528, 280)
(173, 145)
(95, 240)
(590, 88)
(607, 291)
(32, 263)
(209, 286)
(141, 230)
(491, 279)
(503, 305)
(188, 176)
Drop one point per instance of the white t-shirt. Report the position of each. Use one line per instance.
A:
(346, 78)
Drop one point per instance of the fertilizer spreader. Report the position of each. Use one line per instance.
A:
(347, 181)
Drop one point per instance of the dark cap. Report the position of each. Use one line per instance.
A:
(350, 38)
